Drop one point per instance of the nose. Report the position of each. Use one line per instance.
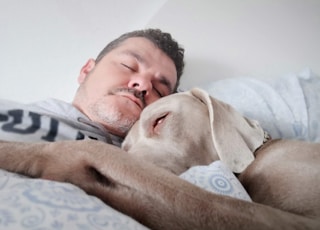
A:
(141, 83)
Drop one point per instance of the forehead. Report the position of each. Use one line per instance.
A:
(152, 55)
(143, 47)
(135, 42)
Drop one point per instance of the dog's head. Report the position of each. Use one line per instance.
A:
(192, 128)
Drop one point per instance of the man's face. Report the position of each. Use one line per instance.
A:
(114, 91)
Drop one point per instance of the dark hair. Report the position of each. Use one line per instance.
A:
(162, 40)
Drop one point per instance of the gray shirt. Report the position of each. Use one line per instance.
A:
(49, 120)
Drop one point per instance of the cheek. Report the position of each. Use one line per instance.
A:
(124, 105)
(96, 88)
(110, 110)
(150, 99)
(105, 80)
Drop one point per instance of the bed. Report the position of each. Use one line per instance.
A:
(286, 107)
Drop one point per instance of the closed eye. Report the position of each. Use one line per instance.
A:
(158, 92)
(163, 86)
(128, 67)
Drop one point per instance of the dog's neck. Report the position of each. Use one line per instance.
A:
(266, 139)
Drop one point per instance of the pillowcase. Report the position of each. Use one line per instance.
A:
(43, 204)
(216, 178)
(286, 107)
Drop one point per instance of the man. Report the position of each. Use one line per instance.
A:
(131, 72)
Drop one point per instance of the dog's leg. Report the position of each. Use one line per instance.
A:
(55, 160)
(162, 200)
(151, 195)
(23, 158)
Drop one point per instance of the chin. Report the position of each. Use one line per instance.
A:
(133, 110)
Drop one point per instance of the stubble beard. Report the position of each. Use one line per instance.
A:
(112, 118)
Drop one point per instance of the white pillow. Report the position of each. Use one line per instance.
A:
(216, 178)
(42, 204)
(286, 107)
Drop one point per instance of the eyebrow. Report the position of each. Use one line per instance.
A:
(163, 80)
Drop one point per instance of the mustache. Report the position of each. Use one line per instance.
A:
(138, 94)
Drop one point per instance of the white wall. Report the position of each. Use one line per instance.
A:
(44, 43)
(232, 38)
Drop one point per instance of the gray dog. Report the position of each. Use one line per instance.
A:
(173, 134)
(193, 128)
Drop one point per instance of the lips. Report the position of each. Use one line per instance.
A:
(131, 97)
(158, 123)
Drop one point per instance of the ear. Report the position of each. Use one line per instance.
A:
(235, 137)
(86, 69)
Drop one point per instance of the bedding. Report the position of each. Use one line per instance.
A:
(42, 204)
(287, 107)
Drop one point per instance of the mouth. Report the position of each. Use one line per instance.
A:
(158, 123)
(135, 100)
(131, 94)
(132, 98)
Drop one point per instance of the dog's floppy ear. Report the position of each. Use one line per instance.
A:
(235, 137)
